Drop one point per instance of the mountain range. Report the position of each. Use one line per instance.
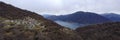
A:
(81, 17)
(112, 16)
(20, 24)
(78, 19)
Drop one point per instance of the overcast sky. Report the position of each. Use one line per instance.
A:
(60, 7)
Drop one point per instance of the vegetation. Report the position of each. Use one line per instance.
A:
(18, 24)
(106, 31)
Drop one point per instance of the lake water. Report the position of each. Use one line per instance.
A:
(70, 25)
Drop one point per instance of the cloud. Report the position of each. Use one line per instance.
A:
(67, 6)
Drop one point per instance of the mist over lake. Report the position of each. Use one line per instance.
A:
(70, 25)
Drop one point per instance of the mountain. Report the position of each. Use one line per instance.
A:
(105, 31)
(46, 15)
(80, 17)
(19, 24)
(112, 16)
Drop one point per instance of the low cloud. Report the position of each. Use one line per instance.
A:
(67, 6)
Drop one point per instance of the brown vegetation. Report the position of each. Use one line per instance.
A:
(106, 31)
(18, 24)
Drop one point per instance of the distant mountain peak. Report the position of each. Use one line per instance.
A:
(110, 13)
(82, 12)
(81, 17)
(79, 12)
(112, 16)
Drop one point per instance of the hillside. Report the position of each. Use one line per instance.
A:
(19, 24)
(106, 31)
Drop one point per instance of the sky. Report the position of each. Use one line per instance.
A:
(61, 7)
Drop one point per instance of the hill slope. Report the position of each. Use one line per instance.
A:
(18, 24)
(106, 31)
